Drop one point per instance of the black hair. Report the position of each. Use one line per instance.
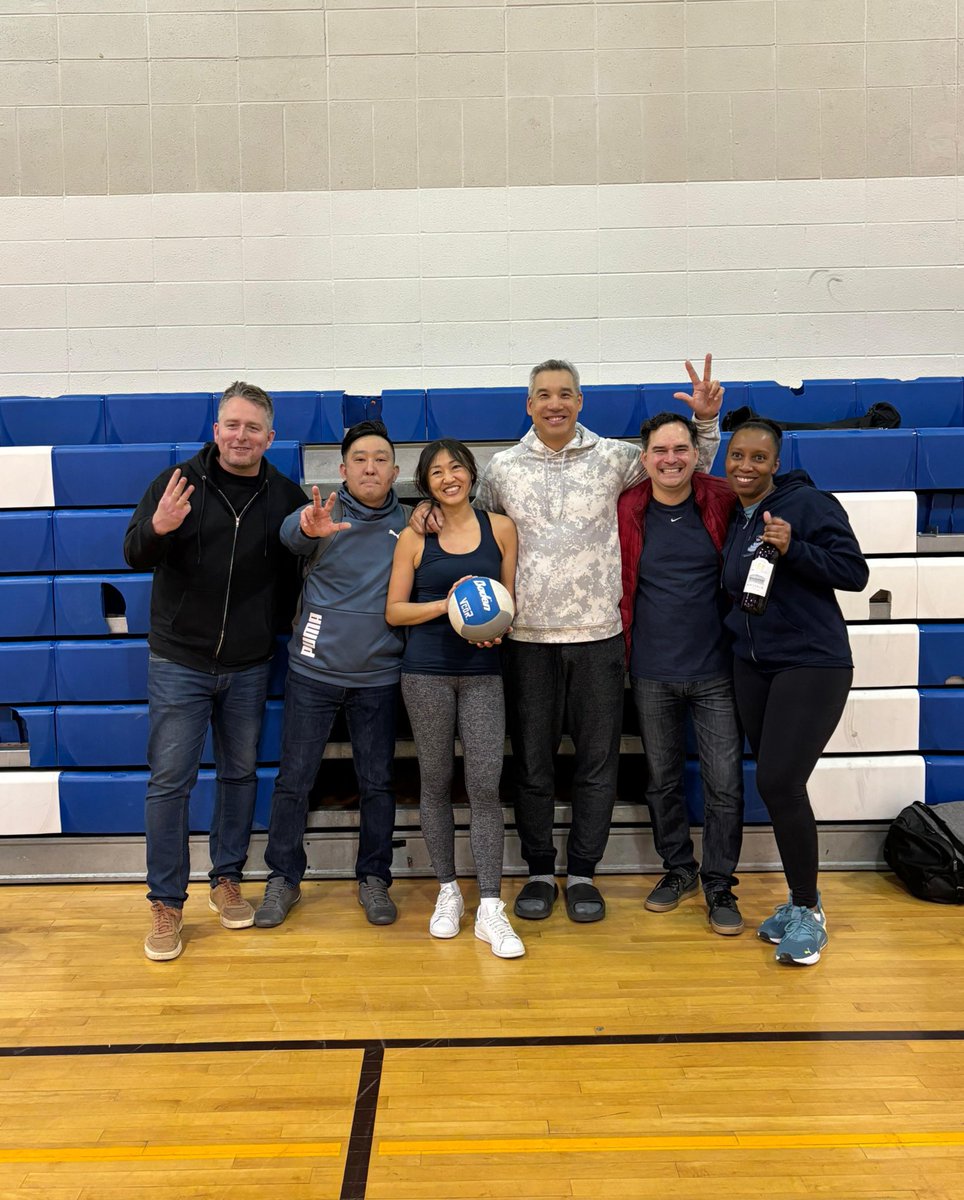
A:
(765, 425)
(458, 450)
(365, 429)
(651, 424)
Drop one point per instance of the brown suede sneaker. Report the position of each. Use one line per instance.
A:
(164, 940)
(226, 899)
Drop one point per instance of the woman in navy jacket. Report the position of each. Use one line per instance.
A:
(792, 667)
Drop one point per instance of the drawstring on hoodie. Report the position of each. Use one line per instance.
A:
(561, 458)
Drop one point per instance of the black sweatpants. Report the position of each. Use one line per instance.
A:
(789, 718)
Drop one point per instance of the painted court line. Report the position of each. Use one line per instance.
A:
(76, 1154)
(621, 1145)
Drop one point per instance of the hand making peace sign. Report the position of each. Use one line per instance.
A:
(707, 393)
(316, 519)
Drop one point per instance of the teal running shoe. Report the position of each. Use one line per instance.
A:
(774, 928)
(805, 937)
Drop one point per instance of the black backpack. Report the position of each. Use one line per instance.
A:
(924, 848)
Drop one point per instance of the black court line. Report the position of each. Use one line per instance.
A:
(354, 1183)
(482, 1043)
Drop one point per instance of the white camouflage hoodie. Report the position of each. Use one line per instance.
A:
(563, 502)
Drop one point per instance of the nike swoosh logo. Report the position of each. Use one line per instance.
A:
(673, 520)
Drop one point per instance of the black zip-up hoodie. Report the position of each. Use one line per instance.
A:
(802, 625)
(224, 586)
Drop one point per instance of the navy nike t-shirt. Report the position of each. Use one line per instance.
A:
(678, 616)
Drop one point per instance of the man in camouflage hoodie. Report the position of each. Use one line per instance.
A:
(564, 661)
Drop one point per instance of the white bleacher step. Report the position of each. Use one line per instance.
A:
(890, 595)
(940, 589)
(876, 721)
(856, 788)
(885, 655)
(883, 522)
(29, 803)
(26, 477)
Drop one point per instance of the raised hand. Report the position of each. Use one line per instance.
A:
(707, 394)
(776, 531)
(174, 505)
(316, 519)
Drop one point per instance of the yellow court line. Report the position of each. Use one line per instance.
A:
(619, 1145)
(65, 1154)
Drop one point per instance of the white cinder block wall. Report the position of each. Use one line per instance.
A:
(381, 193)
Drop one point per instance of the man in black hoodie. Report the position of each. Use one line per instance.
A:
(223, 587)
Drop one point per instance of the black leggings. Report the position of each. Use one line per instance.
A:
(789, 718)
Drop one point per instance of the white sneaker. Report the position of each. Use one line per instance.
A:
(449, 909)
(492, 926)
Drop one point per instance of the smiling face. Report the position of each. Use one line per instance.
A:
(751, 463)
(449, 480)
(242, 436)
(554, 403)
(369, 470)
(670, 460)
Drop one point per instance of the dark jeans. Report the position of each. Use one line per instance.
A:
(662, 711)
(310, 710)
(182, 703)
(578, 685)
(789, 718)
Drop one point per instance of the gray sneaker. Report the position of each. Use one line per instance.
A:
(278, 900)
(670, 890)
(374, 898)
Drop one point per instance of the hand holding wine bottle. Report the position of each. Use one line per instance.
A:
(759, 579)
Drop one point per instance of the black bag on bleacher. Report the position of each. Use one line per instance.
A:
(879, 416)
(924, 848)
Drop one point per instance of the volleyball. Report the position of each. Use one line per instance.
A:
(480, 609)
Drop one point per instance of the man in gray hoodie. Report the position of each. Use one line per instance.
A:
(342, 656)
(564, 660)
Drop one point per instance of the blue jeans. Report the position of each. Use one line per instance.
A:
(662, 710)
(310, 710)
(182, 703)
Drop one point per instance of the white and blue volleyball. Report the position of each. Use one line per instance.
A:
(480, 609)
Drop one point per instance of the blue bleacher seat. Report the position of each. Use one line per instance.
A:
(50, 421)
(104, 802)
(90, 540)
(404, 412)
(942, 719)
(842, 460)
(33, 724)
(944, 778)
(941, 654)
(106, 476)
(102, 735)
(940, 459)
(612, 410)
(816, 401)
(112, 671)
(27, 606)
(935, 512)
(361, 408)
(83, 603)
(922, 403)
(159, 417)
(27, 541)
(27, 673)
(476, 414)
(308, 417)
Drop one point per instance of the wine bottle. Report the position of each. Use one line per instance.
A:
(759, 578)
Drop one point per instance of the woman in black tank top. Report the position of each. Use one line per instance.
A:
(448, 682)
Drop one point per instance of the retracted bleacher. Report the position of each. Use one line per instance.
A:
(74, 618)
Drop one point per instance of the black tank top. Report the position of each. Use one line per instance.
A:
(435, 648)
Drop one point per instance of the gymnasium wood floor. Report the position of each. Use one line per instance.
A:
(640, 1057)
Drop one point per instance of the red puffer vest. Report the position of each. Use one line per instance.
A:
(715, 501)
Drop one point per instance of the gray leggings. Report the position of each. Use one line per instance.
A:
(434, 703)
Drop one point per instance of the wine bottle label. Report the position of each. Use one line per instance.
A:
(758, 578)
